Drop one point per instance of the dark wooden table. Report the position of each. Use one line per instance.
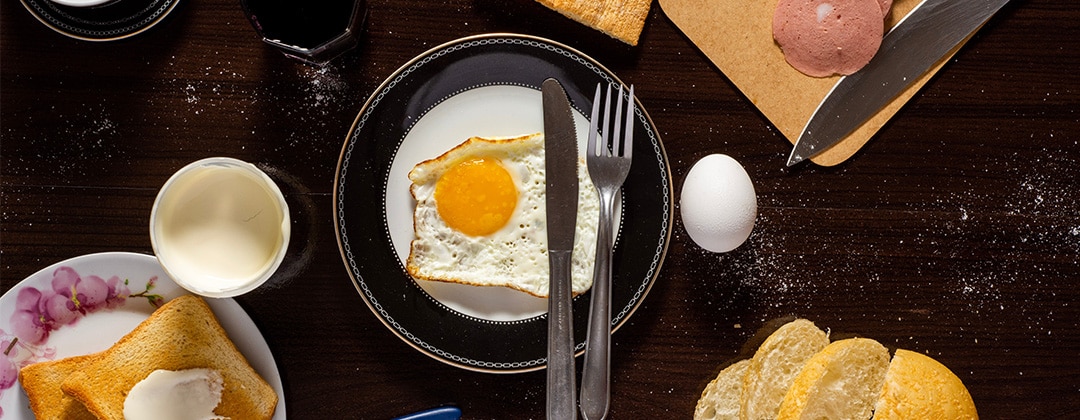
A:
(955, 232)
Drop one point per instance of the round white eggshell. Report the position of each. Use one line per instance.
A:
(718, 203)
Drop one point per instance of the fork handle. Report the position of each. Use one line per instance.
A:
(595, 377)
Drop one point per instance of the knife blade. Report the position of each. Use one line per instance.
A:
(910, 49)
(560, 167)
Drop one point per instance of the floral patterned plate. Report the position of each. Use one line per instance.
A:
(85, 304)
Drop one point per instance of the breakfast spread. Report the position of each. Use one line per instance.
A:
(621, 19)
(821, 38)
(180, 349)
(480, 217)
(475, 226)
(798, 374)
(718, 203)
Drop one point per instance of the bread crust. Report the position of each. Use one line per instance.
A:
(41, 381)
(620, 19)
(919, 387)
(182, 334)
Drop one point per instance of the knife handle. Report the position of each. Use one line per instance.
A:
(561, 398)
(596, 374)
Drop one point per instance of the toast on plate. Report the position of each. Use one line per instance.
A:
(182, 334)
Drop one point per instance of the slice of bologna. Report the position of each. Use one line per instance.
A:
(825, 37)
(886, 7)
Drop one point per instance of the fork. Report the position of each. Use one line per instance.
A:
(608, 159)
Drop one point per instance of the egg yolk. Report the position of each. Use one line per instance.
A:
(476, 197)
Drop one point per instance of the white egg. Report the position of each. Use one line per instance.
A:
(458, 241)
(718, 203)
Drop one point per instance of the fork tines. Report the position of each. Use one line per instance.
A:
(610, 131)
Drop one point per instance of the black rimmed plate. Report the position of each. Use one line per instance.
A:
(487, 85)
(110, 21)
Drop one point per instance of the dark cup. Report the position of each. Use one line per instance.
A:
(313, 31)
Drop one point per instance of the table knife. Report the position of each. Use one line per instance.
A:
(561, 169)
(910, 49)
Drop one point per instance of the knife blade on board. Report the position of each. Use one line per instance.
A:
(911, 48)
(560, 167)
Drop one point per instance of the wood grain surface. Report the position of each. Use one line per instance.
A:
(954, 232)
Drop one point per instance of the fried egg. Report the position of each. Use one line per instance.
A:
(480, 217)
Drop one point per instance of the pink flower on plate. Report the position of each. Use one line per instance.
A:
(83, 294)
(119, 292)
(69, 297)
(31, 321)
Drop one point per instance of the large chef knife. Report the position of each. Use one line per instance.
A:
(912, 47)
(560, 167)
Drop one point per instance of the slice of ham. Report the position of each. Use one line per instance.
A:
(825, 37)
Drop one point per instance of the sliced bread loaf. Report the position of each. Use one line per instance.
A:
(42, 380)
(775, 365)
(842, 381)
(182, 334)
(720, 399)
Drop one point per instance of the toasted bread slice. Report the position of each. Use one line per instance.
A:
(620, 19)
(182, 334)
(42, 380)
(720, 399)
(775, 365)
(919, 387)
(842, 381)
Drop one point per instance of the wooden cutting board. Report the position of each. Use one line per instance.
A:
(737, 36)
